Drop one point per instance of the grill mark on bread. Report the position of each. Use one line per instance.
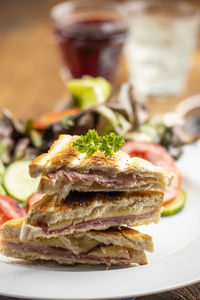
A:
(77, 199)
(85, 199)
(99, 159)
(66, 155)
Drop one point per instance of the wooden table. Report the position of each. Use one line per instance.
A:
(30, 83)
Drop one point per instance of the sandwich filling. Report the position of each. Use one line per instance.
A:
(102, 223)
(98, 180)
(99, 255)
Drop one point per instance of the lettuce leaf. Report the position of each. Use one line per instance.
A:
(89, 91)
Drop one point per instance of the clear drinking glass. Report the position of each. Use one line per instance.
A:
(160, 45)
(90, 35)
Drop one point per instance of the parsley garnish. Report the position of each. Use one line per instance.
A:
(92, 142)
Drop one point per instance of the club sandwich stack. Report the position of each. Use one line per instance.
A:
(88, 207)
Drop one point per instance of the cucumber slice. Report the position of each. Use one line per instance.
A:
(18, 182)
(2, 171)
(175, 206)
(2, 191)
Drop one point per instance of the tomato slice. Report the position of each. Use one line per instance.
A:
(9, 208)
(154, 153)
(34, 198)
(158, 156)
(3, 219)
(52, 117)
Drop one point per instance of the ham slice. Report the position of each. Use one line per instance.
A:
(97, 223)
(102, 179)
(57, 252)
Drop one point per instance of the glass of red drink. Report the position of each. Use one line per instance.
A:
(90, 35)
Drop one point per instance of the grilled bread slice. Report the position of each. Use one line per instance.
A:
(80, 212)
(63, 169)
(113, 246)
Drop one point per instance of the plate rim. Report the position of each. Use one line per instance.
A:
(183, 252)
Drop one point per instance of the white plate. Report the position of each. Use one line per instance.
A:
(175, 262)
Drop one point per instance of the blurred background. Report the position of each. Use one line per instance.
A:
(30, 81)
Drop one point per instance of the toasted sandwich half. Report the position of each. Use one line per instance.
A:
(63, 169)
(82, 211)
(113, 246)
